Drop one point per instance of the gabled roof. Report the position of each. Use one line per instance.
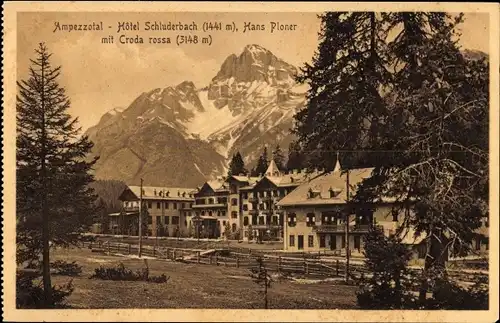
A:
(159, 193)
(322, 184)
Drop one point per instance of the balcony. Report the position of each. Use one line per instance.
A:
(266, 198)
(253, 212)
(253, 199)
(266, 226)
(131, 208)
(329, 228)
(339, 228)
(266, 211)
(210, 206)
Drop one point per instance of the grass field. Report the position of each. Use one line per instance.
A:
(193, 286)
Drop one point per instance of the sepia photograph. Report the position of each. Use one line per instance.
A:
(238, 159)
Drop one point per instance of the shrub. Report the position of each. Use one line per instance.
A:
(121, 273)
(389, 284)
(30, 295)
(447, 295)
(67, 269)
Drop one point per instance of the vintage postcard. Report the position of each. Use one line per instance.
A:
(169, 161)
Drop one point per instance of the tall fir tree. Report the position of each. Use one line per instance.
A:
(295, 157)
(443, 101)
(345, 104)
(237, 165)
(366, 87)
(54, 201)
(279, 157)
(262, 163)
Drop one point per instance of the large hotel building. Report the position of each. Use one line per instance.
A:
(304, 210)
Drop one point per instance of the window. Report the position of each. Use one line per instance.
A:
(292, 241)
(223, 213)
(310, 241)
(246, 234)
(275, 220)
(254, 220)
(234, 189)
(223, 222)
(183, 205)
(158, 205)
(245, 221)
(210, 201)
(357, 242)
(310, 219)
(166, 205)
(234, 202)
(234, 214)
(150, 220)
(322, 241)
(175, 220)
(343, 241)
(158, 220)
(261, 220)
(233, 227)
(209, 213)
(150, 205)
(185, 223)
(244, 195)
(261, 194)
(292, 219)
(394, 215)
(166, 220)
(245, 207)
(175, 206)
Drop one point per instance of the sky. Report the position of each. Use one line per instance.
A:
(99, 77)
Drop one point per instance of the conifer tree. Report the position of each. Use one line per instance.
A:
(295, 157)
(262, 163)
(413, 95)
(345, 106)
(279, 157)
(54, 201)
(237, 165)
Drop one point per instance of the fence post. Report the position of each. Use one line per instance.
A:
(168, 253)
(337, 267)
(237, 262)
(216, 260)
(109, 248)
(129, 248)
(210, 259)
(198, 256)
(174, 255)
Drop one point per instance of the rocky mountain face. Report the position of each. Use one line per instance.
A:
(184, 135)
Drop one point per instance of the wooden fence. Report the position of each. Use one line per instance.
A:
(304, 264)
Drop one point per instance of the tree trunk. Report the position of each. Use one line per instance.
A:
(434, 259)
(47, 285)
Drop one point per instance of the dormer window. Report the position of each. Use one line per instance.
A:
(168, 193)
(154, 192)
(334, 192)
(161, 193)
(313, 193)
(184, 194)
